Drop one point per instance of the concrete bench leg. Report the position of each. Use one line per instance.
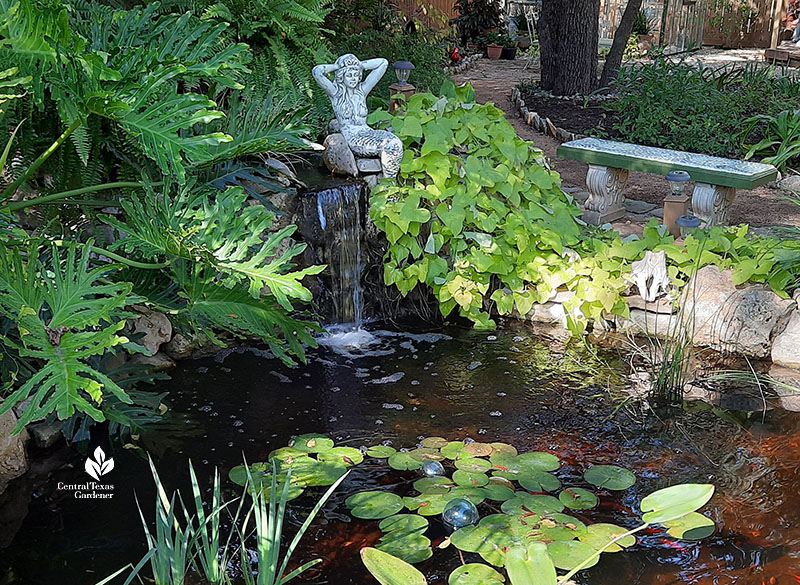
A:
(712, 203)
(605, 185)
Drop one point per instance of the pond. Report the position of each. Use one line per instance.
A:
(489, 386)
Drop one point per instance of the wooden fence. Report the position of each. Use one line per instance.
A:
(434, 13)
(742, 23)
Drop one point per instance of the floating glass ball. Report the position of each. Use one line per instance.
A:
(432, 468)
(460, 512)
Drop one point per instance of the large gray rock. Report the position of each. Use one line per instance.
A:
(786, 347)
(744, 320)
(157, 362)
(13, 460)
(156, 327)
(338, 157)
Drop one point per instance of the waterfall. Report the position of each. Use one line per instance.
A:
(340, 219)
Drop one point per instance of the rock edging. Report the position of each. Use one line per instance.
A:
(543, 125)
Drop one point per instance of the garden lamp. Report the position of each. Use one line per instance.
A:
(677, 202)
(687, 223)
(402, 69)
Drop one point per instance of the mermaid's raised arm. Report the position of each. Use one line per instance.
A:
(379, 67)
(320, 73)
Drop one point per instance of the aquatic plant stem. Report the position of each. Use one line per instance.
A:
(597, 553)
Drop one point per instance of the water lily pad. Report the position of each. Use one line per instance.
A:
(693, 526)
(311, 443)
(523, 503)
(295, 491)
(568, 554)
(286, 454)
(599, 535)
(497, 480)
(478, 449)
(404, 523)
(381, 451)
(434, 442)
(475, 574)
(577, 498)
(426, 454)
(503, 449)
(611, 477)
(559, 527)
(535, 481)
(345, 455)
(389, 570)
(525, 462)
(469, 478)
(413, 547)
(314, 473)
(474, 464)
(433, 485)
(489, 539)
(530, 565)
(261, 473)
(473, 494)
(374, 504)
(403, 461)
(427, 504)
(452, 449)
(673, 502)
(497, 492)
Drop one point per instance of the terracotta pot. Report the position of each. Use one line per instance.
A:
(494, 51)
(509, 53)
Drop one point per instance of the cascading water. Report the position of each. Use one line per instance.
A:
(340, 219)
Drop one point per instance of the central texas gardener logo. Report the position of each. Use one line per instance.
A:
(99, 466)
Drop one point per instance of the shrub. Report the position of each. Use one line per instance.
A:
(696, 108)
(427, 55)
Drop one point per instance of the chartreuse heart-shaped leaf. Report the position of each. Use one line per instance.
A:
(475, 574)
(693, 526)
(374, 504)
(598, 535)
(344, 455)
(389, 570)
(611, 477)
(673, 502)
(381, 451)
(531, 565)
(311, 443)
(577, 498)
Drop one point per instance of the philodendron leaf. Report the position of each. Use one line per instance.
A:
(374, 505)
(475, 574)
(693, 526)
(531, 566)
(611, 477)
(676, 501)
(389, 570)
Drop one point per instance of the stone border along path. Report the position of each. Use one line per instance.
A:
(495, 81)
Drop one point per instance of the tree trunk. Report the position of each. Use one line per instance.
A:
(623, 32)
(568, 36)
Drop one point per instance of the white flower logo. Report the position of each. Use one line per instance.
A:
(100, 465)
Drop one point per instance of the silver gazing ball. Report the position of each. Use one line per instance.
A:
(432, 468)
(460, 512)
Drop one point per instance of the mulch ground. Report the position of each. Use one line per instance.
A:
(575, 115)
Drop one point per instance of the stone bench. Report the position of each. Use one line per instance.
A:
(716, 179)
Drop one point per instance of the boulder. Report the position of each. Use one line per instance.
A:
(45, 435)
(338, 157)
(786, 347)
(792, 183)
(156, 327)
(180, 347)
(788, 387)
(13, 459)
(742, 320)
(156, 362)
(648, 323)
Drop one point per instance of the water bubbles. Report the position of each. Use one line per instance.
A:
(501, 394)
(378, 421)
(518, 338)
(481, 431)
(202, 370)
(432, 468)
(491, 338)
(392, 406)
(238, 423)
(460, 512)
(474, 365)
(495, 413)
(468, 440)
(335, 389)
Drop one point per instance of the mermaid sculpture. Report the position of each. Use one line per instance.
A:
(348, 95)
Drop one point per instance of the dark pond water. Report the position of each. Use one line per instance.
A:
(501, 386)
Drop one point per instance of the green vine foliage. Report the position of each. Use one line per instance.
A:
(477, 216)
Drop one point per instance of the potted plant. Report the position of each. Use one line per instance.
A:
(509, 47)
(643, 27)
(476, 17)
(494, 45)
